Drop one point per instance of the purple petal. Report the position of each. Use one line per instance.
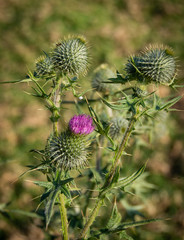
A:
(81, 124)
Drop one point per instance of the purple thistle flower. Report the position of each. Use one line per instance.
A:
(81, 124)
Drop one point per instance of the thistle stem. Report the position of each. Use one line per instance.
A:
(122, 146)
(64, 219)
(91, 218)
(109, 177)
(56, 95)
(56, 84)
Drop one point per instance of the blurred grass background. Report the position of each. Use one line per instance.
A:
(114, 29)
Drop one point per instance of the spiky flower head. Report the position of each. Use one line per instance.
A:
(100, 76)
(70, 149)
(117, 127)
(70, 56)
(44, 66)
(155, 64)
(81, 124)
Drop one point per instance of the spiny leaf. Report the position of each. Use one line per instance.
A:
(50, 205)
(136, 224)
(38, 94)
(98, 123)
(40, 152)
(125, 181)
(40, 88)
(65, 191)
(115, 218)
(118, 79)
(123, 235)
(95, 119)
(26, 213)
(175, 110)
(63, 182)
(128, 180)
(177, 86)
(115, 106)
(170, 103)
(126, 225)
(17, 81)
(80, 94)
(43, 184)
(42, 166)
(45, 195)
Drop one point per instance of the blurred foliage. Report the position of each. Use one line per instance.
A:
(114, 29)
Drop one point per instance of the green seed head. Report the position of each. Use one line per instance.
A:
(118, 127)
(155, 64)
(68, 151)
(44, 66)
(100, 76)
(70, 56)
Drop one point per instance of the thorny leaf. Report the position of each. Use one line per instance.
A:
(115, 218)
(50, 205)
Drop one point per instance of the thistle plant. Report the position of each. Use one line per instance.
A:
(70, 155)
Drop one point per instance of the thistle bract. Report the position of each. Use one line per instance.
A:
(155, 64)
(44, 66)
(70, 149)
(70, 56)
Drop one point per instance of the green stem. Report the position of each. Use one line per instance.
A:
(109, 178)
(55, 129)
(64, 219)
(91, 218)
(55, 113)
(122, 146)
(56, 85)
(54, 107)
(54, 102)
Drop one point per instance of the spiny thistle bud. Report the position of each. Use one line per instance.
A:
(118, 127)
(44, 66)
(100, 76)
(155, 64)
(70, 149)
(70, 56)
